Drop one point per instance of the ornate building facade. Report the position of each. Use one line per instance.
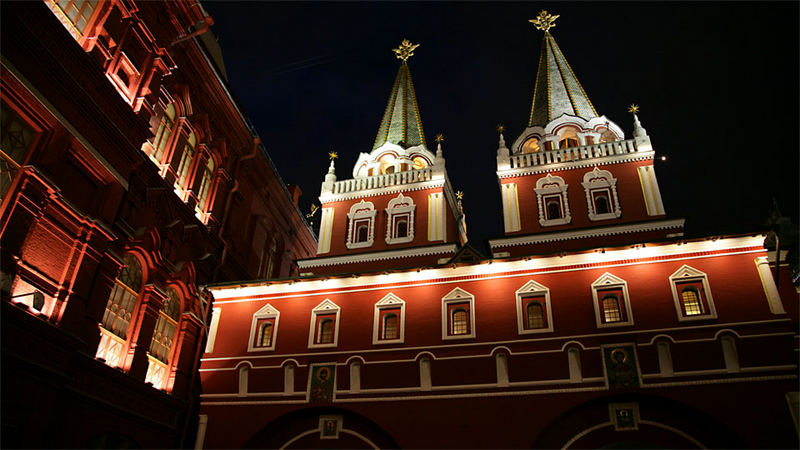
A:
(129, 180)
(594, 323)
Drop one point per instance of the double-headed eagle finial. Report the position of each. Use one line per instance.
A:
(332, 155)
(544, 21)
(405, 50)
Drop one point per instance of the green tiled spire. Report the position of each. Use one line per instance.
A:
(557, 90)
(401, 122)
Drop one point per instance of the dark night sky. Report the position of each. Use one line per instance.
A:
(717, 84)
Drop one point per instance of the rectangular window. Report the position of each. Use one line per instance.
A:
(535, 308)
(458, 315)
(75, 15)
(611, 305)
(264, 333)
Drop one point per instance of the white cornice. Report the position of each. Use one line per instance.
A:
(576, 164)
(592, 232)
(376, 256)
(329, 198)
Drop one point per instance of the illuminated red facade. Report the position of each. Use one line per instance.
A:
(130, 179)
(594, 323)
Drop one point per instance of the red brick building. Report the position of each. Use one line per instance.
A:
(594, 323)
(130, 180)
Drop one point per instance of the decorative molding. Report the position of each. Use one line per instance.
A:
(690, 274)
(548, 186)
(587, 233)
(597, 180)
(456, 296)
(396, 189)
(377, 256)
(609, 281)
(390, 301)
(266, 312)
(326, 307)
(576, 164)
(533, 288)
(361, 211)
(398, 206)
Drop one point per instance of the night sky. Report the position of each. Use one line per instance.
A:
(717, 84)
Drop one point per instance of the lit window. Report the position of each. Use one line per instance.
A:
(361, 225)
(400, 222)
(692, 294)
(186, 161)
(551, 196)
(611, 311)
(75, 15)
(390, 328)
(324, 330)
(263, 329)
(119, 310)
(459, 322)
(166, 326)
(535, 313)
(612, 307)
(388, 321)
(531, 145)
(163, 133)
(419, 163)
(568, 139)
(601, 195)
(458, 315)
(387, 164)
(205, 186)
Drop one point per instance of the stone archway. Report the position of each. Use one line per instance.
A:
(322, 427)
(636, 421)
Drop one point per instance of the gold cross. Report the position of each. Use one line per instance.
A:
(544, 21)
(633, 109)
(405, 50)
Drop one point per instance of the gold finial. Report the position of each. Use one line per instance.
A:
(314, 209)
(460, 195)
(500, 128)
(439, 138)
(405, 50)
(544, 21)
(633, 109)
(332, 155)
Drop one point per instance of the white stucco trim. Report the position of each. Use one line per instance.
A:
(398, 206)
(390, 301)
(549, 186)
(266, 312)
(361, 211)
(458, 295)
(601, 179)
(607, 281)
(533, 288)
(690, 274)
(326, 307)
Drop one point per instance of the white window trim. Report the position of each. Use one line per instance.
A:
(266, 312)
(458, 295)
(390, 301)
(326, 307)
(560, 189)
(400, 205)
(606, 281)
(534, 288)
(601, 179)
(361, 210)
(690, 274)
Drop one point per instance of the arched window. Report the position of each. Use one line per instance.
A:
(553, 208)
(362, 233)
(186, 161)
(390, 329)
(164, 132)
(531, 145)
(459, 322)
(535, 314)
(601, 204)
(402, 228)
(205, 186)
(264, 338)
(611, 312)
(166, 326)
(691, 302)
(325, 331)
(608, 136)
(122, 301)
(568, 142)
(418, 163)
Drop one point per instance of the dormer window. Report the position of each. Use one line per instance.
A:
(531, 145)
(601, 195)
(400, 223)
(551, 195)
(361, 232)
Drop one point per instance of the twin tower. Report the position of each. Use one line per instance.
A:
(571, 181)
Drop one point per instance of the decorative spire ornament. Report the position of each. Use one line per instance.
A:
(544, 21)
(405, 50)
(439, 140)
(638, 129)
(500, 129)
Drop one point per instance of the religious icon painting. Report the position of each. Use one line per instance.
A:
(321, 383)
(624, 416)
(621, 367)
(329, 427)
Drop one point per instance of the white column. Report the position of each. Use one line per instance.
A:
(202, 424)
(510, 207)
(212, 329)
(770, 288)
(325, 231)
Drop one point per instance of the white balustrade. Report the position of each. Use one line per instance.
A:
(381, 181)
(573, 153)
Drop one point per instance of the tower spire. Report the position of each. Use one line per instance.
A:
(557, 90)
(401, 123)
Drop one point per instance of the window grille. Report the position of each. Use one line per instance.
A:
(390, 329)
(535, 315)
(326, 331)
(611, 312)
(166, 327)
(691, 302)
(122, 300)
(264, 338)
(459, 321)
